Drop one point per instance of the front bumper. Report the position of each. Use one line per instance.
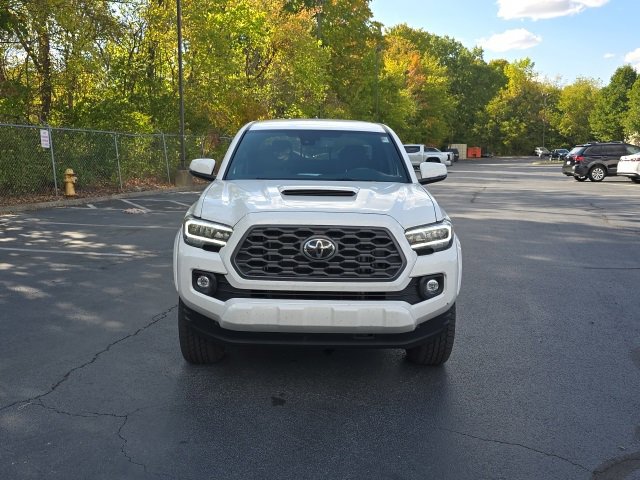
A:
(212, 329)
(286, 315)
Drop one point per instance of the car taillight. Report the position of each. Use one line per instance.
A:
(578, 158)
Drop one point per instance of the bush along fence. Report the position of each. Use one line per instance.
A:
(33, 160)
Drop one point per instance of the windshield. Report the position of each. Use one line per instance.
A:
(317, 155)
(576, 150)
(633, 149)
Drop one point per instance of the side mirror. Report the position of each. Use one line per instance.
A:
(203, 168)
(432, 172)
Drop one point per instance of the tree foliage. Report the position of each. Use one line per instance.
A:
(112, 65)
(631, 122)
(611, 104)
(516, 115)
(575, 104)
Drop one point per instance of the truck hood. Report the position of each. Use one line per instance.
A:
(227, 202)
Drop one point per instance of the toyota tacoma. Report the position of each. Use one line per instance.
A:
(316, 233)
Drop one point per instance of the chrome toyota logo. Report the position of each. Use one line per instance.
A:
(319, 248)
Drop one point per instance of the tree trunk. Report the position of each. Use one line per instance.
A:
(44, 59)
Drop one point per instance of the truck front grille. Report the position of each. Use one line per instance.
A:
(274, 252)
(225, 291)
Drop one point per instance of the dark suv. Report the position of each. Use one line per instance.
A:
(595, 160)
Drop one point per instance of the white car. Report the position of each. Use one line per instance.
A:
(542, 152)
(420, 153)
(629, 166)
(317, 233)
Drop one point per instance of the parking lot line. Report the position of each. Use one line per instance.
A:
(46, 222)
(73, 252)
(135, 205)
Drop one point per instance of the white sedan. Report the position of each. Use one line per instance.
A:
(629, 166)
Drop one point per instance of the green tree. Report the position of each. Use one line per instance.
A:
(55, 37)
(611, 105)
(515, 117)
(250, 60)
(415, 100)
(631, 120)
(346, 29)
(471, 84)
(574, 107)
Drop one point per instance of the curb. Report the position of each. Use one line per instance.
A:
(79, 201)
(542, 163)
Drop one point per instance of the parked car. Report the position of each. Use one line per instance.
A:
(421, 153)
(336, 244)
(542, 152)
(629, 166)
(559, 153)
(596, 160)
(455, 152)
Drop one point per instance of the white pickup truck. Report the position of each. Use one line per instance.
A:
(419, 153)
(317, 233)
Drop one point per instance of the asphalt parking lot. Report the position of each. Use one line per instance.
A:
(543, 381)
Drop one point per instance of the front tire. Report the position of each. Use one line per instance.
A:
(436, 350)
(597, 173)
(195, 348)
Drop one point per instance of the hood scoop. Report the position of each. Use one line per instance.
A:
(307, 191)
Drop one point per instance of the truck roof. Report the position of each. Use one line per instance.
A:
(317, 124)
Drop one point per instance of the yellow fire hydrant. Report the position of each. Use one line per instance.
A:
(70, 179)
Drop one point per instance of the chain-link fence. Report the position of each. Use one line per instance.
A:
(33, 160)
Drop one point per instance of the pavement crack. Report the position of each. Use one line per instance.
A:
(476, 194)
(515, 444)
(155, 319)
(40, 403)
(124, 417)
(123, 449)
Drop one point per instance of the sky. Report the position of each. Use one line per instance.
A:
(565, 39)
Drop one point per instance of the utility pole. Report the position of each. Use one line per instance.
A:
(180, 87)
(377, 93)
(379, 49)
(544, 116)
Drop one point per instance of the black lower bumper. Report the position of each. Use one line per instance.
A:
(211, 329)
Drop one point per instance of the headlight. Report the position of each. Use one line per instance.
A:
(437, 236)
(199, 232)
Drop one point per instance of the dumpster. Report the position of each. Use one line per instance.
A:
(474, 152)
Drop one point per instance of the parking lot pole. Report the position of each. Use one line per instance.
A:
(166, 158)
(115, 139)
(53, 162)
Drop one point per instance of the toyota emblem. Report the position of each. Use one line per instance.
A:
(319, 248)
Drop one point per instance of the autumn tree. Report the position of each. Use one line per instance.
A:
(471, 83)
(515, 116)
